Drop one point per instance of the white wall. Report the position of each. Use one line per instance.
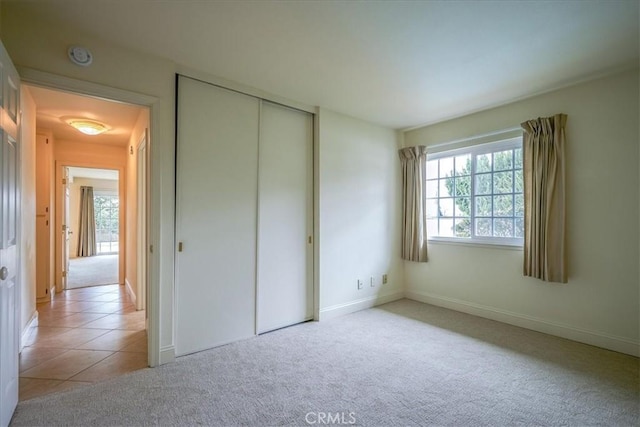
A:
(600, 304)
(359, 220)
(74, 205)
(28, 209)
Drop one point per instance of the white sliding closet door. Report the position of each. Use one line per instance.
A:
(216, 199)
(285, 212)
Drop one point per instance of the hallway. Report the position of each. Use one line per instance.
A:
(84, 335)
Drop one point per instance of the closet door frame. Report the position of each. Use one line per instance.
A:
(312, 269)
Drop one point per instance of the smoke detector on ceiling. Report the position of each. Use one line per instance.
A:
(80, 56)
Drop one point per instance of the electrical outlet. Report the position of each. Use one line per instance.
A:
(372, 282)
(359, 284)
(384, 279)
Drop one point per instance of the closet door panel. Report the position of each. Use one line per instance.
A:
(216, 203)
(285, 290)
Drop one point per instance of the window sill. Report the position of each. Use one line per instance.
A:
(474, 244)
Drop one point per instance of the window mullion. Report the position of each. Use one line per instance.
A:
(472, 214)
(438, 199)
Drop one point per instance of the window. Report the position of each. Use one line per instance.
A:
(475, 194)
(106, 207)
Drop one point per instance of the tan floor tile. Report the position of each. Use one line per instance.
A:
(81, 306)
(48, 317)
(67, 364)
(79, 319)
(132, 321)
(55, 305)
(62, 310)
(70, 339)
(106, 307)
(69, 297)
(52, 354)
(114, 365)
(114, 340)
(140, 346)
(72, 292)
(128, 308)
(31, 387)
(33, 356)
(103, 298)
(44, 332)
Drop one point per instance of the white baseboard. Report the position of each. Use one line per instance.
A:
(597, 339)
(129, 289)
(357, 305)
(32, 323)
(167, 355)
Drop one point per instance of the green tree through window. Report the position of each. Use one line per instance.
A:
(106, 208)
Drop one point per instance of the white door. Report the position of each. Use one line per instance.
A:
(285, 218)
(216, 200)
(9, 262)
(66, 231)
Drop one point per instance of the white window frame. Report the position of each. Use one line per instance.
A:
(475, 150)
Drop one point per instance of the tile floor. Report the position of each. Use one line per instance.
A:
(84, 335)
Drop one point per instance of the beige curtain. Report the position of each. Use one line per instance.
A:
(544, 198)
(87, 234)
(414, 219)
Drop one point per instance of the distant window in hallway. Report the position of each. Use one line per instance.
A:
(107, 209)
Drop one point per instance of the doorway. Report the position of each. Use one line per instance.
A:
(93, 226)
(89, 323)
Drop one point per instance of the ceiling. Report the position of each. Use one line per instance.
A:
(107, 174)
(396, 63)
(53, 106)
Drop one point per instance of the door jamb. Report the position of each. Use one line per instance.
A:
(59, 195)
(53, 81)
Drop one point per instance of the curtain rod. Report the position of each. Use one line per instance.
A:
(471, 138)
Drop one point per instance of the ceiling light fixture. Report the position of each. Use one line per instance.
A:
(88, 127)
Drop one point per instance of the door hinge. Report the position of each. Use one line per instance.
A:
(64, 274)
(151, 248)
(309, 239)
(180, 247)
(64, 181)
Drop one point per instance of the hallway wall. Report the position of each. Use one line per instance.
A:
(131, 223)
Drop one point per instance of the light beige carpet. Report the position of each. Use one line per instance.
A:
(92, 271)
(404, 363)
